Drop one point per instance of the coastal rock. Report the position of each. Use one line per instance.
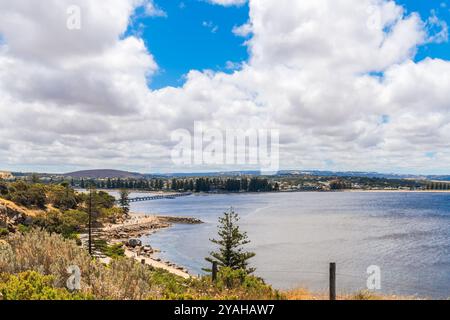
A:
(11, 215)
(134, 243)
(147, 249)
(28, 221)
(180, 220)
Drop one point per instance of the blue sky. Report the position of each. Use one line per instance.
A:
(424, 8)
(196, 35)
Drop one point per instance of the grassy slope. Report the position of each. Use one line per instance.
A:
(19, 209)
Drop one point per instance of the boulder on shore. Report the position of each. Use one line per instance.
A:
(133, 243)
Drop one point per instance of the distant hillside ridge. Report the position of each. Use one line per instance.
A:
(103, 174)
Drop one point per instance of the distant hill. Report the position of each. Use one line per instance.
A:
(103, 174)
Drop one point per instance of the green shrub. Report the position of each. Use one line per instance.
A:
(67, 223)
(75, 219)
(171, 284)
(23, 229)
(114, 251)
(112, 214)
(230, 278)
(31, 285)
(3, 232)
(230, 285)
(28, 195)
(62, 197)
(243, 284)
(3, 188)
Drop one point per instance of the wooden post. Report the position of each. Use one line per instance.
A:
(90, 221)
(214, 271)
(333, 281)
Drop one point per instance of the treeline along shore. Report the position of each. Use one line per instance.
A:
(237, 183)
(252, 184)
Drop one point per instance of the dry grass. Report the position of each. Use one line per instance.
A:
(304, 294)
(22, 210)
(13, 207)
(368, 295)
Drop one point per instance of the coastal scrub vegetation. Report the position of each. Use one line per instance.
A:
(29, 195)
(34, 266)
(31, 285)
(57, 208)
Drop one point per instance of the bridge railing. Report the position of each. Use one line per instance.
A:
(158, 197)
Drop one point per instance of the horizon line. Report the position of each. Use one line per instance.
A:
(280, 171)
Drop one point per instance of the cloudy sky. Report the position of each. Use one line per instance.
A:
(349, 84)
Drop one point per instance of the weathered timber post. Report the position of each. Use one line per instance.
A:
(214, 271)
(332, 281)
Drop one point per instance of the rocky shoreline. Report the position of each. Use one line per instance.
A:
(142, 225)
(179, 220)
(138, 226)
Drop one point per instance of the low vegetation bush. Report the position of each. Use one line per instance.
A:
(65, 223)
(23, 228)
(31, 285)
(114, 251)
(3, 232)
(3, 188)
(62, 196)
(112, 214)
(60, 209)
(231, 284)
(25, 194)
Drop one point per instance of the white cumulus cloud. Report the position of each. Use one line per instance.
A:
(336, 77)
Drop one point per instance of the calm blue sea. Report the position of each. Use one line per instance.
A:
(297, 235)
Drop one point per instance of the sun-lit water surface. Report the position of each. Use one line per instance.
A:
(296, 235)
